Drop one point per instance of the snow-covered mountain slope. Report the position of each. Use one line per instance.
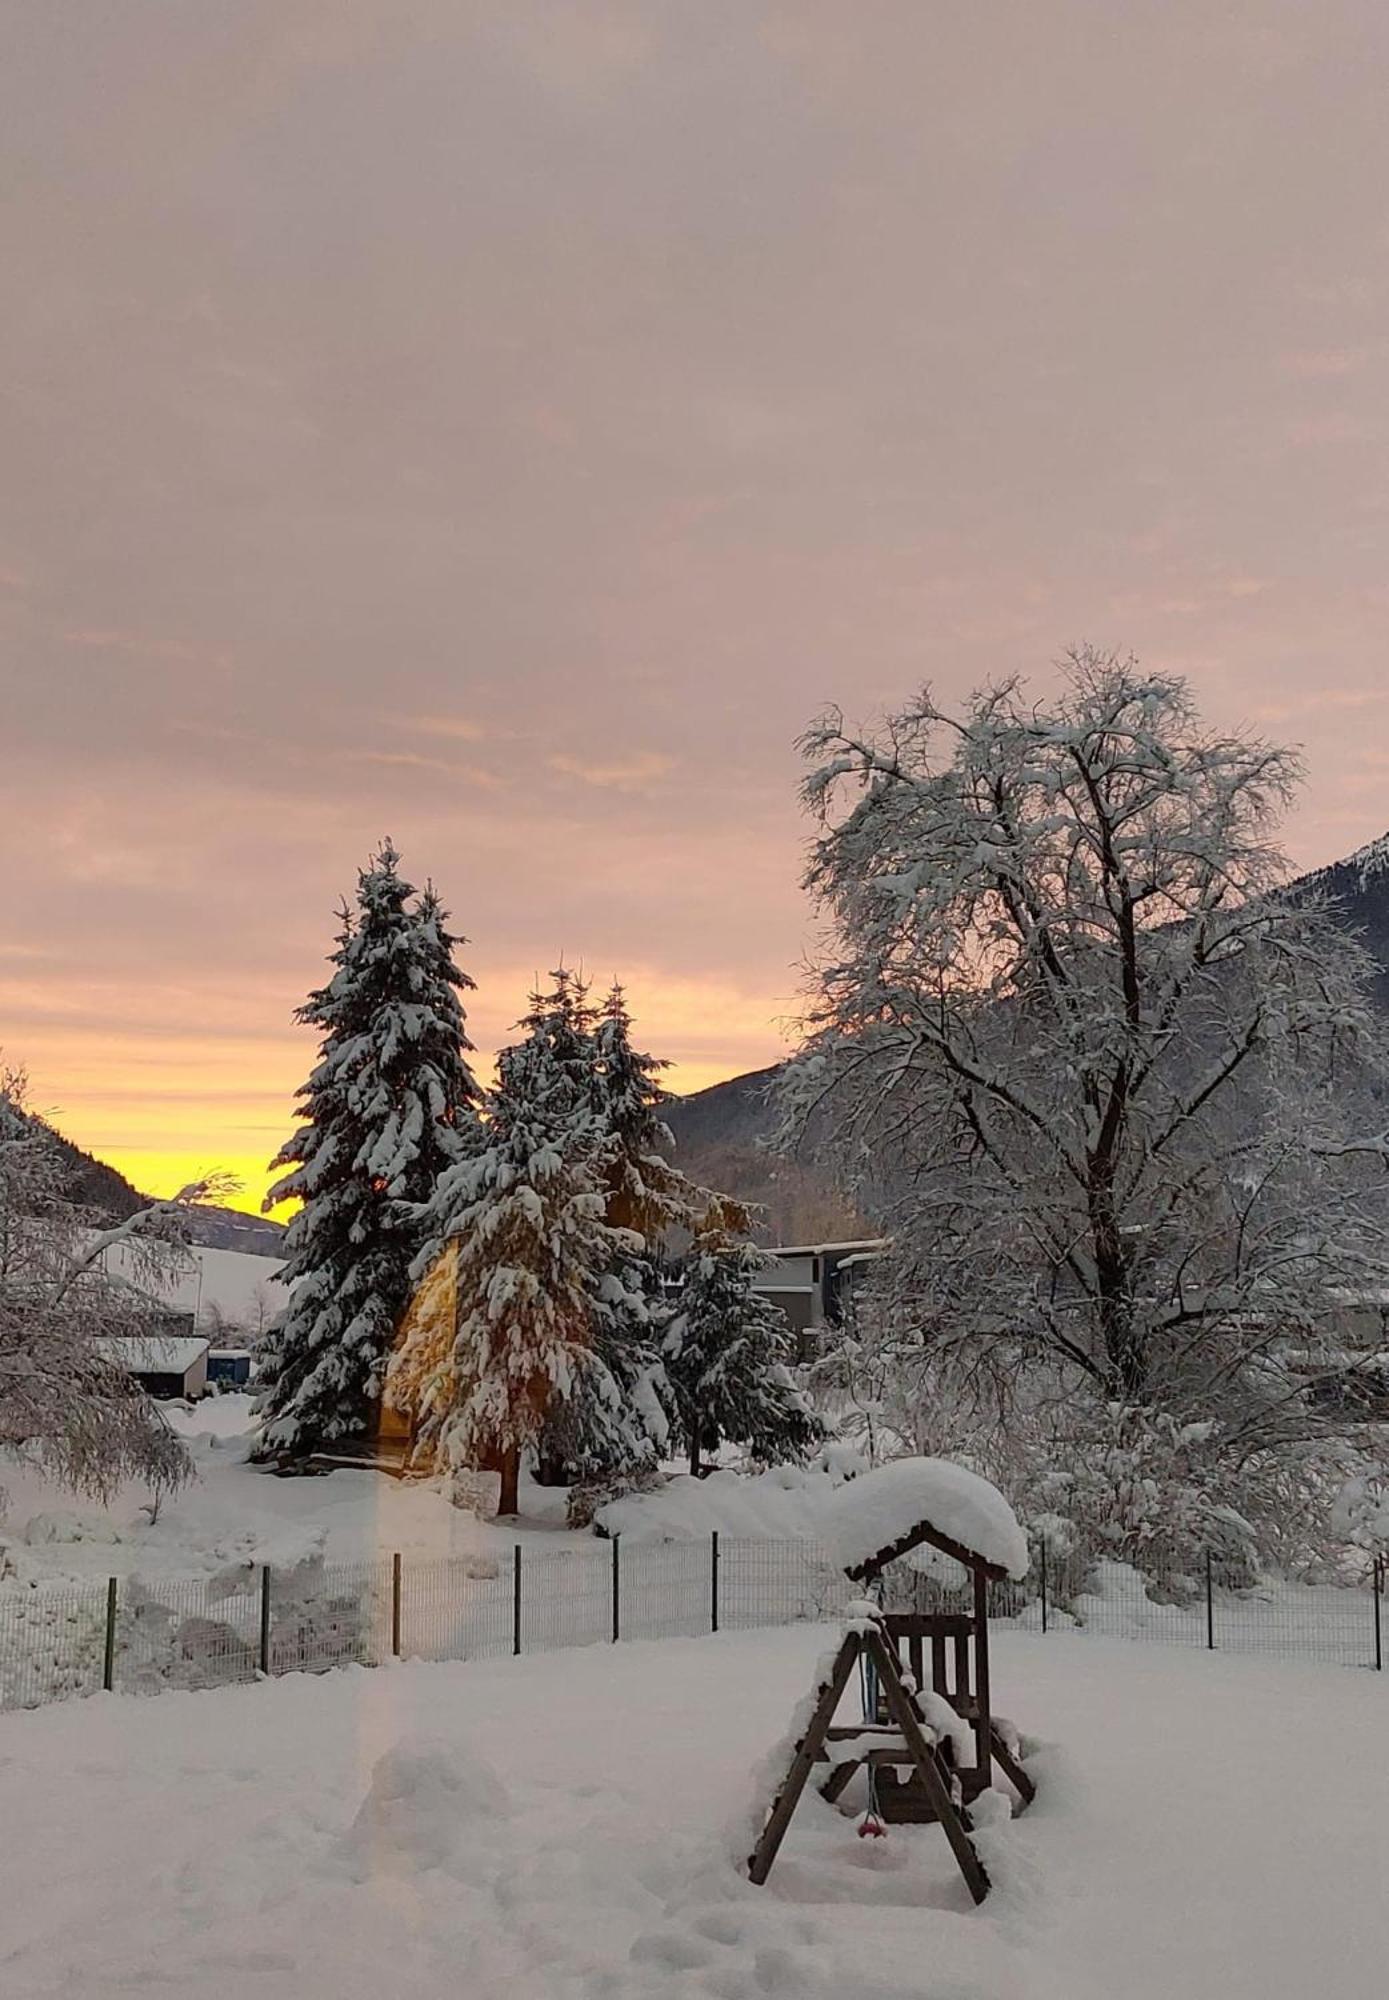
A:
(721, 1132)
(1358, 889)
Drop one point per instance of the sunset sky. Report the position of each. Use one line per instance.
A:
(503, 426)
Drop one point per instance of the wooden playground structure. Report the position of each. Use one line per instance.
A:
(923, 1675)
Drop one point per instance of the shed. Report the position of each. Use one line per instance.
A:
(165, 1364)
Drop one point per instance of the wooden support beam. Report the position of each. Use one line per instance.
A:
(983, 1727)
(969, 1559)
(956, 1824)
(1014, 1771)
(807, 1750)
(838, 1780)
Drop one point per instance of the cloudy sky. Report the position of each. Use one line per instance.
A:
(504, 425)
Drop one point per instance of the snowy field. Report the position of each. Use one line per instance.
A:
(354, 1516)
(213, 1539)
(232, 1507)
(564, 1828)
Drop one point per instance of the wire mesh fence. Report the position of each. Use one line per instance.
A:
(132, 1636)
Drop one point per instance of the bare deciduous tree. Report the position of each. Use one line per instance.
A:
(1099, 1069)
(66, 1403)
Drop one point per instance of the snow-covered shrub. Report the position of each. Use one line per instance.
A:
(1360, 1516)
(590, 1496)
(68, 1403)
(1138, 1486)
(840, 1460)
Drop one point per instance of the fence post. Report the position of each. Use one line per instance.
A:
(108, 1662)
(516, 1604)
(617, 1592)
(1210, 1607)
(395, 1605)
(1379, 1614)
(714, 1580)
(265, 1618)
(1044, 1583)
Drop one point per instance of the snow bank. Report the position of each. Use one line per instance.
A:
(855, 1512)
(429, 1802)
(869, 1514)
(785, 1504)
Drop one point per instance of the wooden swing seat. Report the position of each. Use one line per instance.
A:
(949, 1636)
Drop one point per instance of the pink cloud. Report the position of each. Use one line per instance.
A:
(619, 774)
(1325, 363)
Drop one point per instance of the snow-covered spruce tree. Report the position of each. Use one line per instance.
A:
(391, 1104)
(503, 1321)
(1099, 1072)
(727, 1347)
(645, 1191)
(616, 1419)
(67, 1404)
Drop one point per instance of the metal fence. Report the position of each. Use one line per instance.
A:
(135, 1636)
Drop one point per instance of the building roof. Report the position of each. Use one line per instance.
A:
(154, 1353)
(862, 1243)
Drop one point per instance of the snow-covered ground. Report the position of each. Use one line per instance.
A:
(565, 1827)
(232, 1507)
(772, 1527)
(360, 1516)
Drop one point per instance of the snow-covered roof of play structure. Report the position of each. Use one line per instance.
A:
(870, 1515)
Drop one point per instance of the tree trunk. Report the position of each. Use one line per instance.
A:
(695, 1432)
(1122, 1346)
(506, 1459)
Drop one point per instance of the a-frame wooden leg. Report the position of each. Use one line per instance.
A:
(838, 1780)
(1023, 1783)
(955, 1823)
(807, 1750)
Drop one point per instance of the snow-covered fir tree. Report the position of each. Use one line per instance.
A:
(645, 1191)
(727, 1348)
(391, 1104)
(617, 1416)
(503, 1323)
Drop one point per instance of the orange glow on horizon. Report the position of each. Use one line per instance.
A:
(162, 1171)
(168, 1113)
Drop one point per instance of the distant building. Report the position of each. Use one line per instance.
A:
(229, 1295)
(165, 1364)
(812, 1283)
(229, 1367)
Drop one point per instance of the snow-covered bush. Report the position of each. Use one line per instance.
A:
(1360, 1515)
(588, 1499)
